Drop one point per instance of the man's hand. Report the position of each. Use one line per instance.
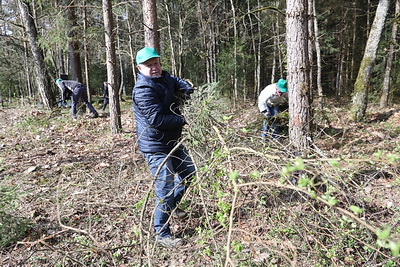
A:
(265, 113)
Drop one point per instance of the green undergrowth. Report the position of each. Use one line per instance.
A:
(88, 193)
(12, 226)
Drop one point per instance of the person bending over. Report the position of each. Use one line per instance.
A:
(268, 104)
(78, 92)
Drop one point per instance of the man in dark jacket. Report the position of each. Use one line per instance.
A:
(105, 96)
(78, 92)
(159, 126)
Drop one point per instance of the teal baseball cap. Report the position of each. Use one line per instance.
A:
(145, 54)
(282, 85)
(58, 80)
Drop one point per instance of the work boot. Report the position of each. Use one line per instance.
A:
(169, 242)
(95, 115)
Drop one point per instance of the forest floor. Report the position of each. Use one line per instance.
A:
(74, 194)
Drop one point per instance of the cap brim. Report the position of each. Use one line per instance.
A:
(145, 59)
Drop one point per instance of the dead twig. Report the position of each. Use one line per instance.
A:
(41, 240)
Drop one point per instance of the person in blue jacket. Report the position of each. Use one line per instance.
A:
(159, 125)
(77, 92)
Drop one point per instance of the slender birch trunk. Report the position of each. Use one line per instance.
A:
(318, 55)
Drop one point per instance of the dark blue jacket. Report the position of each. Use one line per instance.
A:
(158, 119)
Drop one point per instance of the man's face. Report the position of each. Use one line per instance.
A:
(278, 92)
(151, 67)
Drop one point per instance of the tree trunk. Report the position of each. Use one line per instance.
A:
(339, 69)
(27, 72)
(206, 40)
(131, 51)
(235, 40)
(340, 55)
(62, 62)
(255, 54)
(151, 34)
(360, 97)
(86, 53)
(389, 63)
(115, 111)
(310, 48)
(298, 74)
(171, 39)
(121, 89)
(275, 53)
(258, 68)
(73, 45)
(208, 32)
(42, 79)
(213, 47)
(318, 54)
(180, 42)
(281, 62)
(353, 41)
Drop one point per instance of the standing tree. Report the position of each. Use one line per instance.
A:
(235, 55)
(389, 62)
(255, 45)
(206, 15)
(73, 43)
(318, 54)
(360, 96)
(298, 74)
(130, 26)
(171, 42)
(42, 78)
(115, 110)
(85, 51)
(151, 34)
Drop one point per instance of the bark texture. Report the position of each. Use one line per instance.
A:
(73, 44)
(42, 80)
(389, 62)
(115, 110)
(298, 74)
(151, 34)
